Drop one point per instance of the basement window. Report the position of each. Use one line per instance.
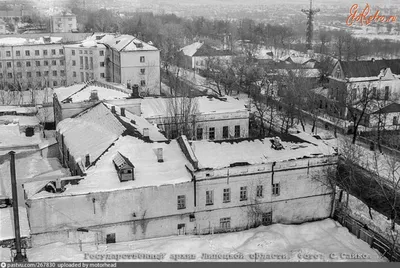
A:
(110, 238)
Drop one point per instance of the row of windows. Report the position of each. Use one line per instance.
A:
(29, 74)
(211, 132)
(87, 63)
(36, 52)
(226, 195)
(29, 64)
(375, 93)
(73, 53)
(225, 223)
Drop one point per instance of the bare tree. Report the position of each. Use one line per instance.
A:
(180, 117)
(358, 108)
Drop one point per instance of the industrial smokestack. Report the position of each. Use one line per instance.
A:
(19, 257)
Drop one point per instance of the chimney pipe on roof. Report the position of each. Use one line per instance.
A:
(87, 160)
(113, 109)
(123, 112)
(135, 91)
(159, 153)
(146, 133)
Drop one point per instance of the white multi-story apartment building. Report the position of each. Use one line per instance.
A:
(131, 61)
(64, 22)
(85, 61)
(32, 63)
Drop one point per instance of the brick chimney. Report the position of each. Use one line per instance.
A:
(123, 112)
(113, 109)
(135, 91)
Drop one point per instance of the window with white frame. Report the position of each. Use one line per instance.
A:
(211, 133)
(276, 189)
(209, 198)
(226, 195)
(243, 193)
(225, 223)
(181, 201)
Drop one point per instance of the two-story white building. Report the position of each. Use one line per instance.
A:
(176, 187)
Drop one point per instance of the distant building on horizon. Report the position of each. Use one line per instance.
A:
(63, 22)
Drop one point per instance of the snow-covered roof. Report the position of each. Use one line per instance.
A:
(219, 155)
(17, 41)
(82, 92)
(7, 223)
(17, 109)
(10, 136)
(139, 123)
(86, 44)
(159, 107)
(121, 42)
(21, 120)
(64, 92)
(148, 171)
(102, 92)
(191, 49)
(90, 132)
(310, 73)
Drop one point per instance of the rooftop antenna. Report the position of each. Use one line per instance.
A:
(310, 17)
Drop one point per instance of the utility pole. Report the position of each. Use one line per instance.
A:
(19, 257)
(310, 17)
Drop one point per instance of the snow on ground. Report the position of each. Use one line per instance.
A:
(324, 241)
(7, 223)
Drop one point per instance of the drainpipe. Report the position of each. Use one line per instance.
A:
(194, 184)
(273, 172)
(19, 257)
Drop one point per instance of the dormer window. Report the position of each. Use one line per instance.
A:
(124, 168)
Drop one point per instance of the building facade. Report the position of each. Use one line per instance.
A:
(32, 64)
(85, 62)
(350, 82)
(196, 198)
(63, 22)
(131, 61)
(200, 118)
(200, 56)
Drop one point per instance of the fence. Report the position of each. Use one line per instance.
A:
(374, 240)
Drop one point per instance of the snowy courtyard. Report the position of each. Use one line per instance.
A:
(322, 241)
